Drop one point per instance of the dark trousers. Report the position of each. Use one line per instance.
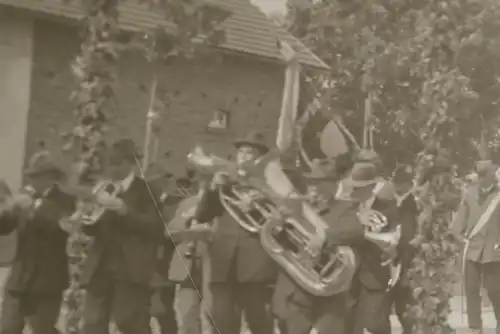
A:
(126, 303)
(230, 300)
(489, 275)
(402, 296)
(39, 310)
(326, 316)
(371, 311)
(167, 320)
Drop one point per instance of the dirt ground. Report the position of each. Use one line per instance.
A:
(457, 319)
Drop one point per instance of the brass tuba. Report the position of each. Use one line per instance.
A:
(288, 225)
(243, 202)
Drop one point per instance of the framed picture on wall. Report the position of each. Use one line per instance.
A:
(219, 120)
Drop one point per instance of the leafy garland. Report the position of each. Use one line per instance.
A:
(93, 97)
(94, 70)
(429, 67)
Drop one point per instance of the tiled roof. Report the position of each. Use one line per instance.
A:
(248, 29)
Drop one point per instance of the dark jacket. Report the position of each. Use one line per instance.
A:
(232, 247)
(482, 246)
(344, 229)
(371, 273)
(126, 247)
(408, 218)
(41, 264)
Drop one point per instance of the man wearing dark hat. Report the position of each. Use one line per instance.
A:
(39, 273)
(372, 307)
(301, 311)
(240, 270)
(476, 222)
(401, 293)
(122, 259)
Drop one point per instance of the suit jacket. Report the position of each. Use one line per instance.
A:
(126, 247)
(408, 218)
(344, 229)
(41, 264)
(371, 273)
(481, 247)
(232, 247)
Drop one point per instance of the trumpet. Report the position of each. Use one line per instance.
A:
(90, 212)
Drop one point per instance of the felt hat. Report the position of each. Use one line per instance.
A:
(42, 164)
(362, 174)
(253, 139)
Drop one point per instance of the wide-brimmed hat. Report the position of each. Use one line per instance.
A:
(125, 149)
(253, 139)
(42, 164)
(321, 169)
(362, 174)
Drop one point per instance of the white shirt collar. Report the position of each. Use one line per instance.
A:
(400, 199)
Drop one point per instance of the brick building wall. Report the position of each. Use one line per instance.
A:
(249, 89)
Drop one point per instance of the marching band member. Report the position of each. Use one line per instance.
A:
(240, 270)
(476, 223)
(123, 257)
(373, 307)
(301, 311)
(407, 216)
(39, 273)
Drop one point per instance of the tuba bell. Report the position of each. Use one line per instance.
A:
(287, 223)
(243, 202)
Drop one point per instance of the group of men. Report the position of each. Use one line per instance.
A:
(243, 281)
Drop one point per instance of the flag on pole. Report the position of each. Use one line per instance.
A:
(290, 100)
(322, 137)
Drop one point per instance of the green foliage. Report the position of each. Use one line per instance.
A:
(93, 98)
(431, 68)
(190, 26)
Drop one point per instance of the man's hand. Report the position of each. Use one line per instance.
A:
(112, 203)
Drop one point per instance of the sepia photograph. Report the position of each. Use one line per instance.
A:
(249, 167)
